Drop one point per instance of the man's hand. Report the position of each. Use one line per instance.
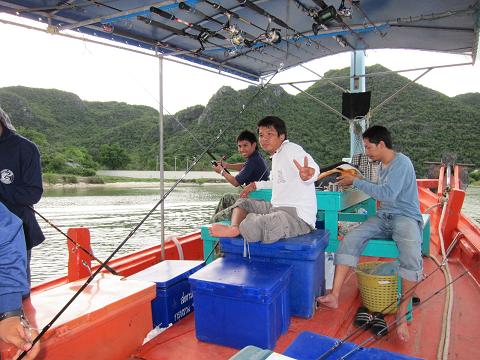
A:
(218, 168)
(304, 171)
(345, 180)
(13, 332)
(247, 190)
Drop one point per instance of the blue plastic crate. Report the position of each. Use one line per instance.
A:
(240, 302)
(174, 298)
(306, 255)
(311, 346)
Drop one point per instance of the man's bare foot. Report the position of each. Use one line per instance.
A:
(329, 300)
(402, 331)
(220, 230)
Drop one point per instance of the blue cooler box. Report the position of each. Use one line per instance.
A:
(311, 346)
(174, 298)
(240, 302)
(305, 253)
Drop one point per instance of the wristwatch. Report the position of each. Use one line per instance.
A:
(222, 172)
(9, 314)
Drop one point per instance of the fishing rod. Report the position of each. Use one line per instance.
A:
(77, 245)
(401, 318)
(280, 22)
(363, 327)
(204, 32)
(202, 37)
(93, 275)
(236, 34)
(331, 12)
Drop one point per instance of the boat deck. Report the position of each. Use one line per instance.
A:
(179, 341)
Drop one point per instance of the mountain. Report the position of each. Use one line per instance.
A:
(424, 123)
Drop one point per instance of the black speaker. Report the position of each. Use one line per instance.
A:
(355, 104)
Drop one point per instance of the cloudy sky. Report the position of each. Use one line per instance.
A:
(95, 72)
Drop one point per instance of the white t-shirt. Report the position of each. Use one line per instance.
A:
(288, 189)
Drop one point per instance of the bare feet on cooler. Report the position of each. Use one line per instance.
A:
(220, 230)
(328, 300)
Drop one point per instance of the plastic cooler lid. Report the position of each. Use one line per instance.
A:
(316, 240)
(235, 277)
(168, 272)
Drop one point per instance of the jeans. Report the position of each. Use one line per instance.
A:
(405, 231)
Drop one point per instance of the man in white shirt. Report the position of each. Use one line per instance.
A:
(293, 207)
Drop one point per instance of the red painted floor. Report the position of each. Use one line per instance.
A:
(179, 341)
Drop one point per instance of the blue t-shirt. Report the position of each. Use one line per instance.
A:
(396, 188)
(255, 169)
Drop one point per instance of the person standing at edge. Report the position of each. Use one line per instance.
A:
(20, 181)
(398, 217)
(14, 328)
(293, 207)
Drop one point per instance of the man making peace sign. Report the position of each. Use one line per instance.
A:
(293, 207)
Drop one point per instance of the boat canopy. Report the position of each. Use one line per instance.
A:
(252, 39)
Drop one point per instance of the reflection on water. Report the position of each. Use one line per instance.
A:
(111, 213)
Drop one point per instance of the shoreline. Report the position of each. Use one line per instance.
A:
(127, 184)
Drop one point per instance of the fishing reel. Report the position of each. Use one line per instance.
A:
(321, 17)
(273, 36)
(344, 11)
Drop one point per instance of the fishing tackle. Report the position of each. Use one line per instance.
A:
(77, 245)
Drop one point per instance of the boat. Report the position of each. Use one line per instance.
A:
(253, 41)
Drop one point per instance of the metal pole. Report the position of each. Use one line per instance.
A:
(161, 167)
(357, 84)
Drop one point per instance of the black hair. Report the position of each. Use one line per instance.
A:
(378, 133)
(275, 122)
(248, 136)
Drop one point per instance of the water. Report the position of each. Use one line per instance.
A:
(111, 213)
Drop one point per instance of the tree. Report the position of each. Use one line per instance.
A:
(113, 156)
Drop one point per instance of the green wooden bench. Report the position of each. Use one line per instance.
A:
(383, 247)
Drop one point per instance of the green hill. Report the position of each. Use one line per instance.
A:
(425, 124)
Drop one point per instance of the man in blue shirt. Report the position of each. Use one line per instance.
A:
(13, 284)
(398, 217)
(255, 168)
(20, 180)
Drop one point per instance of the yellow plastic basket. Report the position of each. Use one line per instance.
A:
(377, 291)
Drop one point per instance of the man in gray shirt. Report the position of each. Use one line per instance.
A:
(398, 217)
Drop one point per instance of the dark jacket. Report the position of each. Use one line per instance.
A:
(21, 182)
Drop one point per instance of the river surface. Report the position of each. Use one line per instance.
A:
(111, 214)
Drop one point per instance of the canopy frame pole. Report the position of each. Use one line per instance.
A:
(396, 93)
(161, 152)
(380, 73)
(357, 85)
(325, 105)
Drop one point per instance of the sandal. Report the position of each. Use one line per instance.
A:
(362, 318)
(379, 326)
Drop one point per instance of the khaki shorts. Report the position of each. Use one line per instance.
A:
(268, 224)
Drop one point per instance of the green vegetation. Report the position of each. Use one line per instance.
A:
(77, 137)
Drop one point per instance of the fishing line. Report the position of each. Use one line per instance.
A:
(77, 245)
(339, 343)
(396, 323)
(92, 276)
